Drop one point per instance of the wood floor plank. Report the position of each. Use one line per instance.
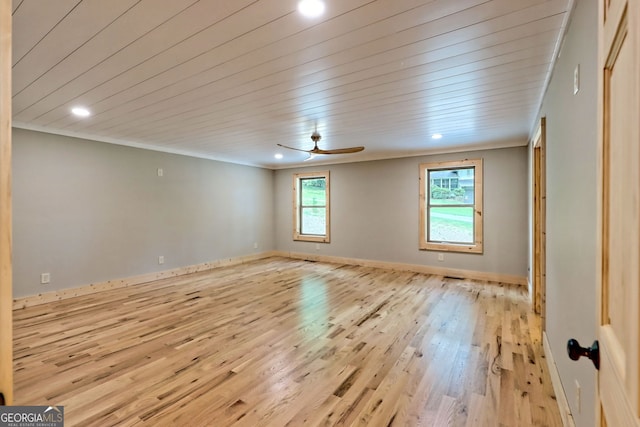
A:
(282, 342)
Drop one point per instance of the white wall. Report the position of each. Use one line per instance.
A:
(571, 207)
(374, 212)
(88, 212)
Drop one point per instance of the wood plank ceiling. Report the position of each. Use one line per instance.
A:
(228, 79)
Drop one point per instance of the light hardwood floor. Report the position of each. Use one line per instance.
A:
(283, 342)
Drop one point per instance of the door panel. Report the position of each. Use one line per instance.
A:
(6, 328)
(619, 332)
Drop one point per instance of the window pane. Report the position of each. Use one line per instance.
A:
(456, 186)
(451, 224)
(314, 221)
(313, 192)
(451, 216)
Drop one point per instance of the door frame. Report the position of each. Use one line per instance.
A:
(539, 215)
(6, 299)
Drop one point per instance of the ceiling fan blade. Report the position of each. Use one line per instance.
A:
(337, 150)
(315, 150)
(297, 149)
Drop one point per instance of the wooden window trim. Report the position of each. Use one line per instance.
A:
(477, 246)
(297, 235)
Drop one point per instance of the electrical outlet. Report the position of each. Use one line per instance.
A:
(440, 257)
(255, 245)
(161, 259)
(317, 246)
(576, 79)
(45, 278)
(578, 398)
(160, 172)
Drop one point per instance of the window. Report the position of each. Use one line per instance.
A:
(311, 208)
(451, 206)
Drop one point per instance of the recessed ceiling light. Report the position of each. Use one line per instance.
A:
(80, 111)
(278, 156)
(311, 8)
(436, 136)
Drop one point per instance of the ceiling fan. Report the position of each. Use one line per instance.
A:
(315, 137)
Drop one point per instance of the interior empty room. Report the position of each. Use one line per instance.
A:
(320, 212)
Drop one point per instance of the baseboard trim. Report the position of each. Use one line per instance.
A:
(62, 294)
(43, 298)
(558, 389)
(426, 269)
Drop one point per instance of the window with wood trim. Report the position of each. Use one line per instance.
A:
(311, 219)
(451, 206)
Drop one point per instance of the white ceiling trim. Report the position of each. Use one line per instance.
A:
(161, 149)
(275, 166)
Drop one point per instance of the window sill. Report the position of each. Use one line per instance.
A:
(451, 247)
(311, 238)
